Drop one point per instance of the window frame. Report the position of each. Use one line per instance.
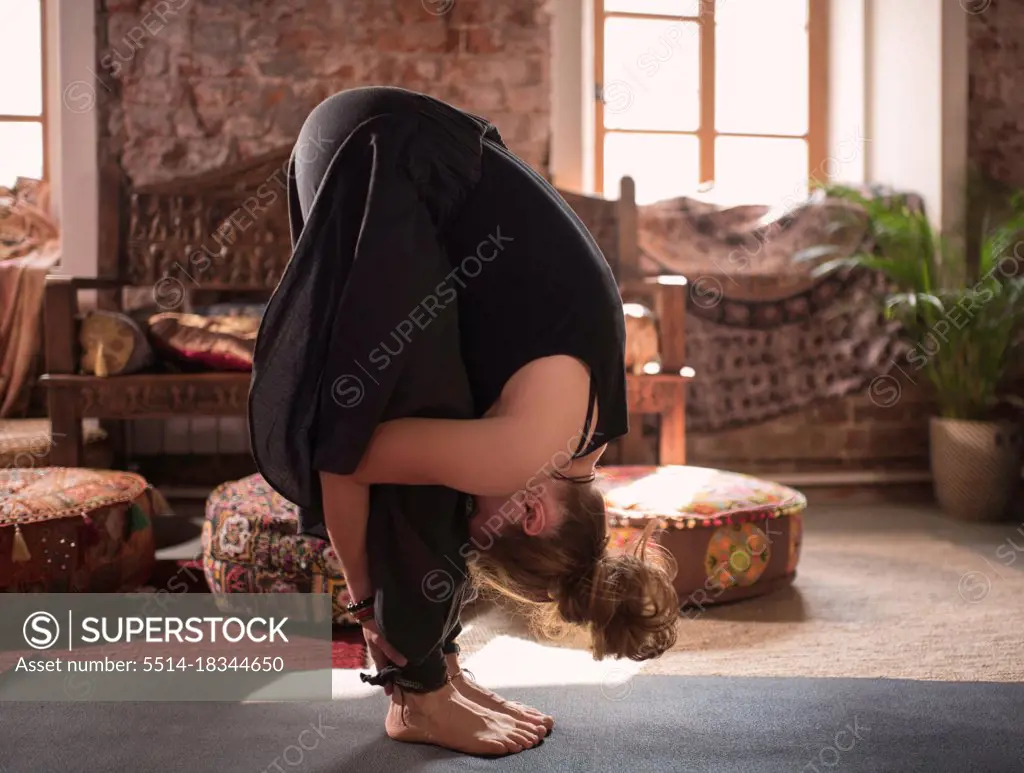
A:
(43, 116)
(706, 133)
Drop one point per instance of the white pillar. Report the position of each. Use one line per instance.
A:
(848, 138)
(567, 90)
(73, 143)
(917, 100)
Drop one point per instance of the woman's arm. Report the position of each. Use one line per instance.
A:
(485, 457)
(346, 509)
(460, 454)
(542, 412)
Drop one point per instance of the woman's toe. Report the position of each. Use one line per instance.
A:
(524, 739)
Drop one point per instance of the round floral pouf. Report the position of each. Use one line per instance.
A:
(76, 530)
(732, 536)
(251, 544)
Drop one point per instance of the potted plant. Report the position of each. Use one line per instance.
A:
(962, 313)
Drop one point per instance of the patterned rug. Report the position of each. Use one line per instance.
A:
(886, 592)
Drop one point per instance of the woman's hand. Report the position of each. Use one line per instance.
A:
(381, 652)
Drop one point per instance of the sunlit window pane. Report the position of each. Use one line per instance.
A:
(663, 165)
(21, 85)
(661, 7)
(21, 151)
(754, 170)
(762, 76)
(761, 13)
(651, 74)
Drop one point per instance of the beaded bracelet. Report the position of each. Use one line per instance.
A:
(355, 606)
(363, 615)
(363, 610)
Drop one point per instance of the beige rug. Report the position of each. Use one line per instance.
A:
(895, 604)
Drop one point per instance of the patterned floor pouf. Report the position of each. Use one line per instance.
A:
(733, 536)
(76, 530)
(251, 544)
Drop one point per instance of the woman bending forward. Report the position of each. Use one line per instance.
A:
(435, 379)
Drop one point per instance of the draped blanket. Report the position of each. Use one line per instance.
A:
(764, 337)
(28, 250)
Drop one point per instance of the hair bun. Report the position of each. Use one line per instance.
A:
(630, 605)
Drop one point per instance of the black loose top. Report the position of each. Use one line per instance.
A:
(531, 283)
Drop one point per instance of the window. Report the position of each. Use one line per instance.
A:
(22, 104)
(725, 95)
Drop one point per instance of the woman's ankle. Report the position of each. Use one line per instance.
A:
(402, 697)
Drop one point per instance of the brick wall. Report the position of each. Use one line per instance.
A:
(884, 428)
(189, 85)
(996, 103)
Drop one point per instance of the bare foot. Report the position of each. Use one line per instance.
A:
(448, 719)
(491, 700)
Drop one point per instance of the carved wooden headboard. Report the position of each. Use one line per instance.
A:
(222, 230)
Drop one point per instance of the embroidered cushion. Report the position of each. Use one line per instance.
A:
(732, 536)
(76, 530)
(220, 343)
(251, 544)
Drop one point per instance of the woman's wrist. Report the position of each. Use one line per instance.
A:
(359, 587)
(361, 609)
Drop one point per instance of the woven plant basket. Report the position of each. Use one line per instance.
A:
(976, 467)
